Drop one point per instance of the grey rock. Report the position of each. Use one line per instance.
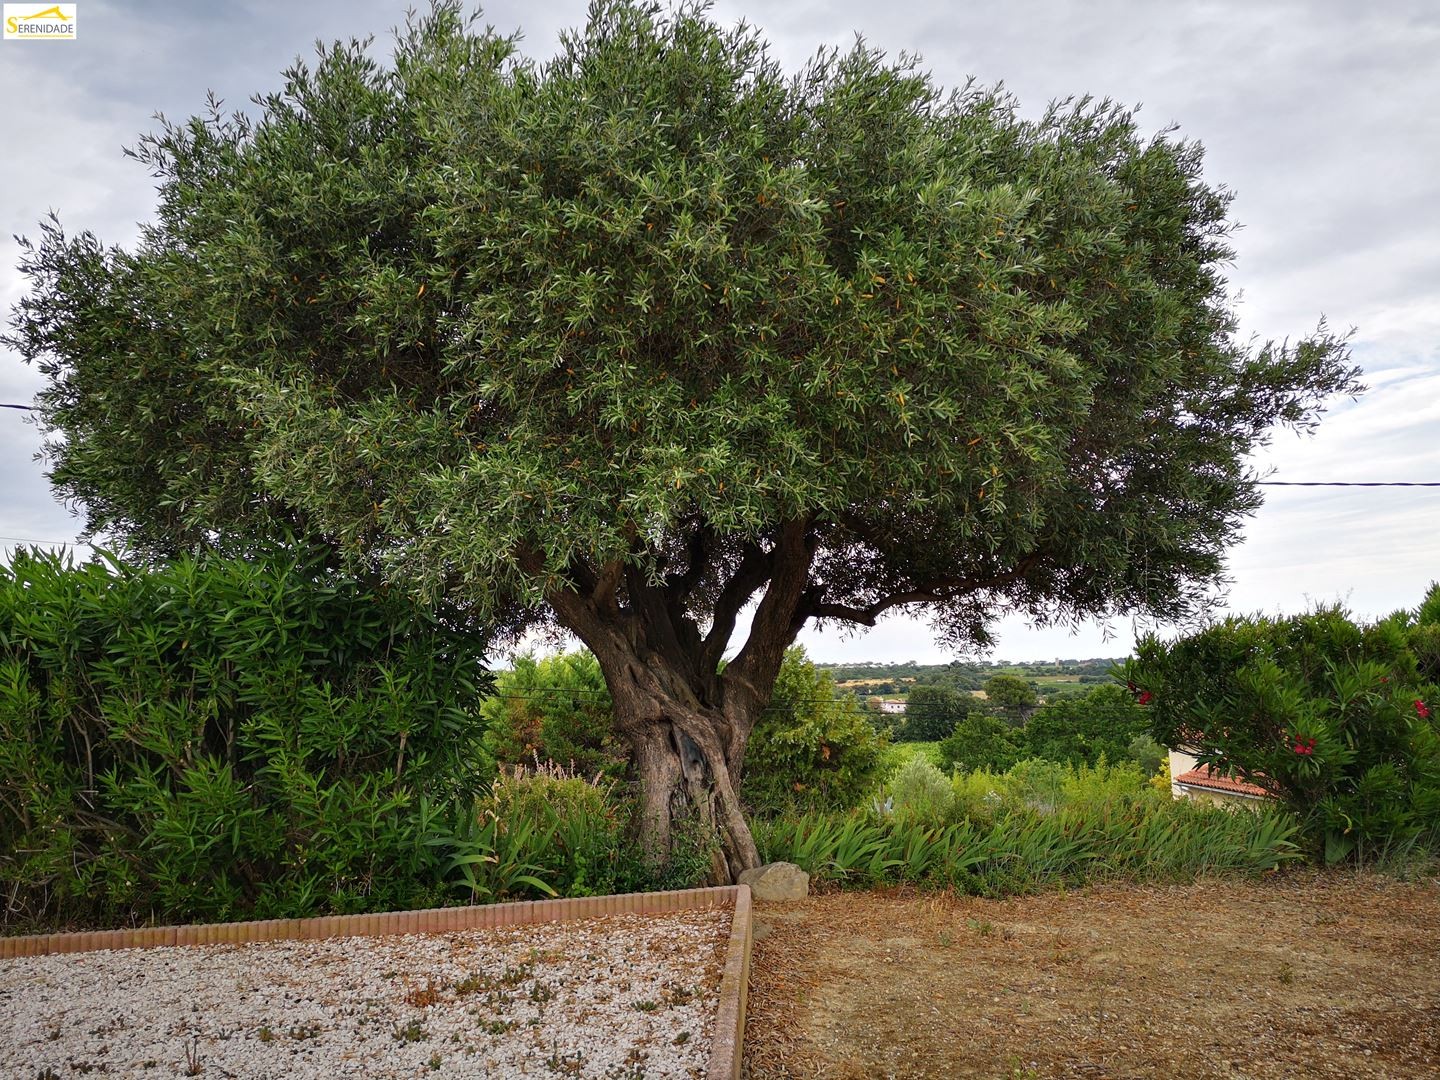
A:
(777, 881)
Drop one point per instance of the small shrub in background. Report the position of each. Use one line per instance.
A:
(1148, 754)
(554, 710)
(1335, 718)
(810, 749)
(919, 790)
(978, 795)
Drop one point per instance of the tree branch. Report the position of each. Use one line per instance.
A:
(698, 546)
(939, 591)
(776, 619)
(753, 572)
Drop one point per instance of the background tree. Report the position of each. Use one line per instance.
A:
(931, 713)
(1104, 720)
(555, 709)
(1010, 696)
(629, 341)
(983, 742)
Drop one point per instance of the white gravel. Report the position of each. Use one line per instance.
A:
(620, 998)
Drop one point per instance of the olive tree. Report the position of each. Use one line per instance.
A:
(655, 340)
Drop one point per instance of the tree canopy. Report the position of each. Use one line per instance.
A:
(629, 338)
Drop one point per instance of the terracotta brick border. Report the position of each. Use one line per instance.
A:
(725, 1049)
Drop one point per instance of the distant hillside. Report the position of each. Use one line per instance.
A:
(899, 679)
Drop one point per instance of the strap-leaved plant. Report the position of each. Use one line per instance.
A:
(654, 340)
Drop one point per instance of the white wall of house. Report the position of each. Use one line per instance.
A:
(1180, 763)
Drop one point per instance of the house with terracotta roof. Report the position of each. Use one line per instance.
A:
(1199, 783)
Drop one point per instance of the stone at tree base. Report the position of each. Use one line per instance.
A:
(777, 881)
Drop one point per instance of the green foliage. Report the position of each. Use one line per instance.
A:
(1147, 753)
(810, 749)
(494, 325)
(931, 713)
(545, 832)
(1333, 717)
(920, 790)
(982, 741)
(897, 754)
(1101, 722)
(216, 739)
(1024, 850)
(1009, 692)
(556, 709)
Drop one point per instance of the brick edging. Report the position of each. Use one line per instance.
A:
(426, 921)
(725, 1047)
(728, 1044)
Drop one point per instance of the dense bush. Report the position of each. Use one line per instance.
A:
(555, 710)
(1332, 717)
(216, 739)
(1083, 728)
(982, 741)
(551, 832)
(931, 713)
(810, 749)
(919, 790)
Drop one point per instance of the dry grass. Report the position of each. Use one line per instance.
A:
(1301, 975)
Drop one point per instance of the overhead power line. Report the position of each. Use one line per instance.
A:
(32, 540)
(25, 408)
(1349, 483)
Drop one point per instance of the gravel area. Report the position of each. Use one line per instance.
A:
(620, 998)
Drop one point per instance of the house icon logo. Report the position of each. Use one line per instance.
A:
(31, 22)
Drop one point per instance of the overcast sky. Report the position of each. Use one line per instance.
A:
(1320, 115)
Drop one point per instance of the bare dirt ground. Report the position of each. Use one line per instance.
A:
(1299, 975)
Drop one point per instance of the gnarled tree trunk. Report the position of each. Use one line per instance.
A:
(686, 722)
(684, 771)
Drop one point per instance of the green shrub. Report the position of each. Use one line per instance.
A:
(810, 749)
(978, 795)
(931, 713)
(1147, 753)
(982, 741)
(920, 790)
(896, 755)
(217, 739)
(555, 710)
(1082, 728)
(1334, 718)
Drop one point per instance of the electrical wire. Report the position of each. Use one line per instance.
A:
(1350, 483)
